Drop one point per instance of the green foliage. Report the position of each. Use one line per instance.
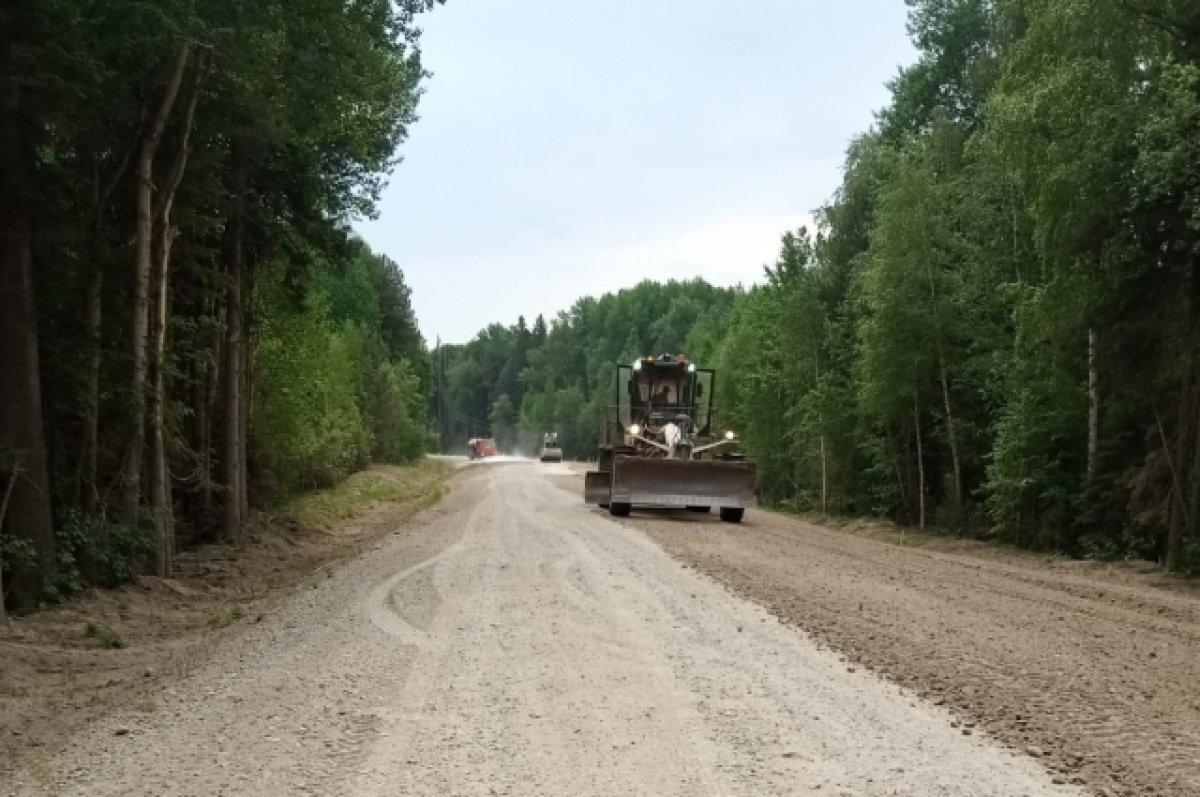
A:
(17, 555)
(397, 406)
(309, 430)
(90, 551)
(99, 551)
(1024, 193)
(1191, 557)
(1034, 481)
(299, 109)
(332, 393)
(502, 418)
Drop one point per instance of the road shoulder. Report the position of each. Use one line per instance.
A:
(108, 651)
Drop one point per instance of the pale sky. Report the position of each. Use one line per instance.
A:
(575, 147)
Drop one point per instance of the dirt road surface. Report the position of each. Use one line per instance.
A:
(512, 641)
(1094, 668)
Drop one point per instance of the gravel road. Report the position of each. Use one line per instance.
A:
(512, 641)
(1092, 666)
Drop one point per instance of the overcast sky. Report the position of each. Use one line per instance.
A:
(574, 147)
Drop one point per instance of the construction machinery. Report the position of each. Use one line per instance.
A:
(481, 447)
(662, 447)
(551, 450)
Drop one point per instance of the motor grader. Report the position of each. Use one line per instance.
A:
(661, 445)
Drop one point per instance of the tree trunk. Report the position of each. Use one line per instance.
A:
(161, 503)
(1093, 406)
(824, 478)
(231, 448)
(201, 436)
(4, 501)
(244, 396)
(920, 460)
(213, 395)
(950, 430)
(160, 481)
(22, 437)
(824, 459)
(1181, 516)
(143, 243)
(1178, 510)
(1192, 518)
(904, 474)
(92, 317)
(902, 487)
(207, 395)
(87, 492)
(952, 435)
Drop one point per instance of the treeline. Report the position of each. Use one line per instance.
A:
(517, 383)
(187, 327)
(995, 327)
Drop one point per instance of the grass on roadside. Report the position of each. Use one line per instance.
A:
(102, 636)
(419, 482)
(935, 537)
(225, 616)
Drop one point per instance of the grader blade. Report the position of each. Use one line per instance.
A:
(597, 486)
(641, 481)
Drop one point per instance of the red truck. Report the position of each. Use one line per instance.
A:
(480, 447)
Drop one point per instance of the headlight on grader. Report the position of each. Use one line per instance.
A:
(635, 430)
(730, 435)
